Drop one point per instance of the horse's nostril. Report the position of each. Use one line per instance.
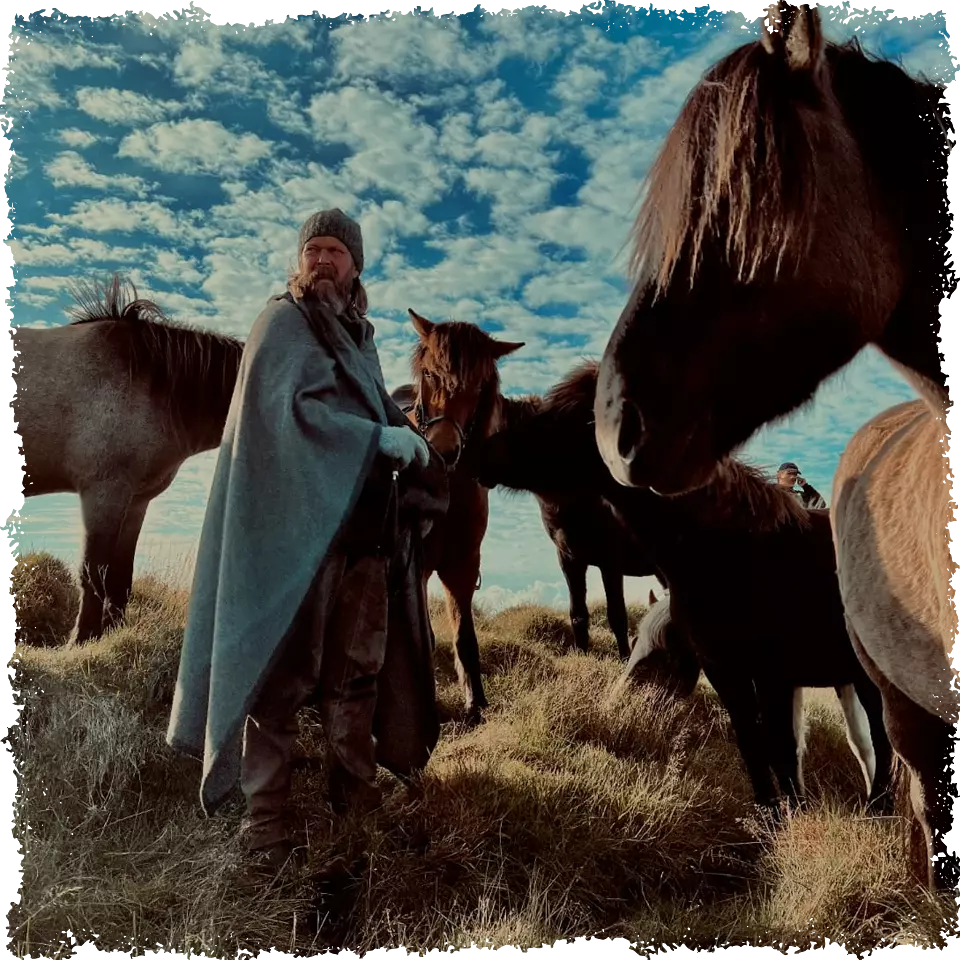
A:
(630, 431)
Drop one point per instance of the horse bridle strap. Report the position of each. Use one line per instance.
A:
(423, 424)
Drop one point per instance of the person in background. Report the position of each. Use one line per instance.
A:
(788, 475)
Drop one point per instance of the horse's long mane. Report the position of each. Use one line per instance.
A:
(739, 167)
(739, 494)
(195, 370)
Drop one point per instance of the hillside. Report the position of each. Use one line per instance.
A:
(568, 813)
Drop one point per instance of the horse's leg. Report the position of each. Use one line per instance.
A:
(925, 743)
(781, 709)
(119, 579)
(460, 582)
(104, 510)
(575, 573)
(863, 710)
(616, 609)
(737, 695)
(858, 732)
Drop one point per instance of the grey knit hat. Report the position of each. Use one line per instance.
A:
(334, 223)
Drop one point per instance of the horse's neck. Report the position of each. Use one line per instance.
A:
(205, 426)
(507, 412)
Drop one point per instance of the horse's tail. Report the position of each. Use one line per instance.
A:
(662, 654)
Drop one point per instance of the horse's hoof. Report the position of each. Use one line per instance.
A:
(475, 716)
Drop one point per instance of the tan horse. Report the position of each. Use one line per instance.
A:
(797, 212)
(456, 400)
(109, 406)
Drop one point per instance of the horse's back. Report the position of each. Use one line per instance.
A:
(890, 514)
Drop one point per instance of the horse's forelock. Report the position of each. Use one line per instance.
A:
(736, 164)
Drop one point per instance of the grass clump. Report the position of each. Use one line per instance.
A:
(46, 599)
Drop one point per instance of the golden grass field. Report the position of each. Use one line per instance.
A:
(569, 813)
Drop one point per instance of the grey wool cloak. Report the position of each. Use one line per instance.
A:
(300, 442)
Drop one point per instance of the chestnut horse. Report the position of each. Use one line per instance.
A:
(455, 401)
(738, 535)
(798, 211)
(109, 406)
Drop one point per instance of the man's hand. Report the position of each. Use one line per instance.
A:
(404, 445)
(801, 481)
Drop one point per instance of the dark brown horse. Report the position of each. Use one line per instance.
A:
(585, 534)
(738, 536)
(109, 406)
(797, 212)
(455, 402)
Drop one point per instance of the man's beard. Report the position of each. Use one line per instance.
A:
(322, 283)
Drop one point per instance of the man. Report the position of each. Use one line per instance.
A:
(788, 475)
(321, 495)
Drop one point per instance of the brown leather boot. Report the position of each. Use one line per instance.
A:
(350, 794)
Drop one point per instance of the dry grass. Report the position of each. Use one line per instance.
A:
(570, 812)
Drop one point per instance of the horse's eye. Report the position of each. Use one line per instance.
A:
(427, 375)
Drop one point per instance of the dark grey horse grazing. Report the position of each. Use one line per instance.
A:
(109, 406)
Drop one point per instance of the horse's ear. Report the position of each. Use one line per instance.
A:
(502, 347)
(795, 33)
(653, 599)
(422, 325)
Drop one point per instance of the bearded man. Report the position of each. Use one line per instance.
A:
(321, 496)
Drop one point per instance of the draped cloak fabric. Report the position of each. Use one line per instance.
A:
(299, 447)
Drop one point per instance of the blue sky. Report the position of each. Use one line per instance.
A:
(493, 161)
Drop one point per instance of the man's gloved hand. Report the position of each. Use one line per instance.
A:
(404, 445)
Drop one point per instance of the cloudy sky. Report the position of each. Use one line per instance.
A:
(493, 160)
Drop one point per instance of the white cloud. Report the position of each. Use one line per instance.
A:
(33, 65)
(124, 107)
(75, 250)
(194, 146)
(406, 46)
(197, 21)
(78, 139)
(123, 216)
(580, 84)
(34, 299)
(393, 149)
(69, 169)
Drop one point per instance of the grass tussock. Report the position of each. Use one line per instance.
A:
(45, 598)
(579, 808)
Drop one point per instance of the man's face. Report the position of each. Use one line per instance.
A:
(327, 266)
(787, 478)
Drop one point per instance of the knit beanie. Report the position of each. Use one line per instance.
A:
(335, 223)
